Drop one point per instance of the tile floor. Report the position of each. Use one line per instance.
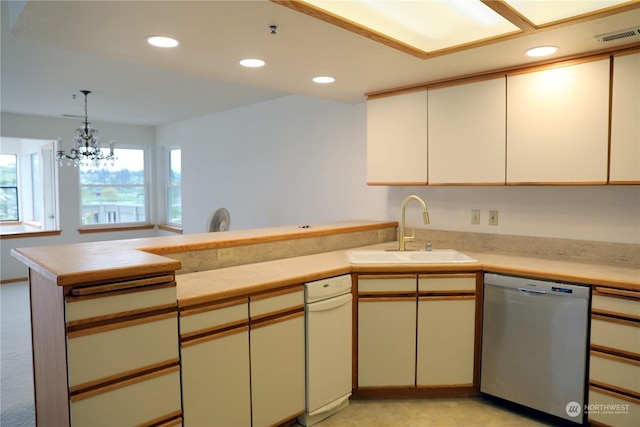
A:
(444, 412)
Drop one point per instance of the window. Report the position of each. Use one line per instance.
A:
(29, 189)
(9, 187)
(115, 194)
(174, 189)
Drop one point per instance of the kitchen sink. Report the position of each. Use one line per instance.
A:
(436, 256)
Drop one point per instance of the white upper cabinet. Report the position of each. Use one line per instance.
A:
(557, 125)
(467, 133)
(625, 120)
(397, 139)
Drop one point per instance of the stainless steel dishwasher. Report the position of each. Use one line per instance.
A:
(328, 345)
(534, 344)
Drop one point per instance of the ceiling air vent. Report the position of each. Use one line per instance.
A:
(620, 34)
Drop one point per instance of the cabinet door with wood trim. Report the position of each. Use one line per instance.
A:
(614, 368)
(446, 349)
(467, 124)
(386, 341)
(386, 330)
(215, 364)
(397, 139)
(277, 339)
(558, 125)
(446, 330)
(625, 120)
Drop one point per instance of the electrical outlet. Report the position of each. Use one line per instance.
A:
(225, 253)
(475, 216)
(493, 217)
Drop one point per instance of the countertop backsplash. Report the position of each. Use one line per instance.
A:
(583, 250)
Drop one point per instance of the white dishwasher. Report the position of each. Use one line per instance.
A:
(328, 347)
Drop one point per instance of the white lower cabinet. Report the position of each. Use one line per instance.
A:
(278, 370)
(243, 360)
(614, 367)
(446, 329)
(215, 364)
(216, 384)
(386, 342)
(417, 332)
(607, 408)
(122, 359)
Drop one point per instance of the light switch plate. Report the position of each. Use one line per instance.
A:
(475, 216)
(493, 217)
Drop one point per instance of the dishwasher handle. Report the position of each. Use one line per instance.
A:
(532, 291)
(330, 303)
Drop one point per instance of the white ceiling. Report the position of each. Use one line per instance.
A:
(51, 50)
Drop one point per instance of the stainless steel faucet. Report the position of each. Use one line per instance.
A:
(402, 237)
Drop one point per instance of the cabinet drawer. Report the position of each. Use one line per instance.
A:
(116, 350)
(615, 371)
(193, 322)
(143, 401)
(276, 302)
(615, 305)
(387, 284)
(466, 282)
(613, 409)
(616, 335)
(93, 307)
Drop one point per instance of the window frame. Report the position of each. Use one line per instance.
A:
(117, 226)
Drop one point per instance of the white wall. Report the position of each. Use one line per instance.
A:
(22, 126)
(599, 213)
(293, 160)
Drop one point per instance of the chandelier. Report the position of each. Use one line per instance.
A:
(87, 145)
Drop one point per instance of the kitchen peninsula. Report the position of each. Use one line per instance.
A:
(108, 317)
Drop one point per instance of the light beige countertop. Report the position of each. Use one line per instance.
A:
(82, 263)
(98, 261)
(241, 281)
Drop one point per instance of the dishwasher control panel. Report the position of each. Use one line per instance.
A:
(327, 288)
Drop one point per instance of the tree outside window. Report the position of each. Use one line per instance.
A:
(115, 194)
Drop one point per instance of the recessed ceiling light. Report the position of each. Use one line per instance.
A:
(252, 63)
(541, 51)
(324, 79)
(162, 41)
